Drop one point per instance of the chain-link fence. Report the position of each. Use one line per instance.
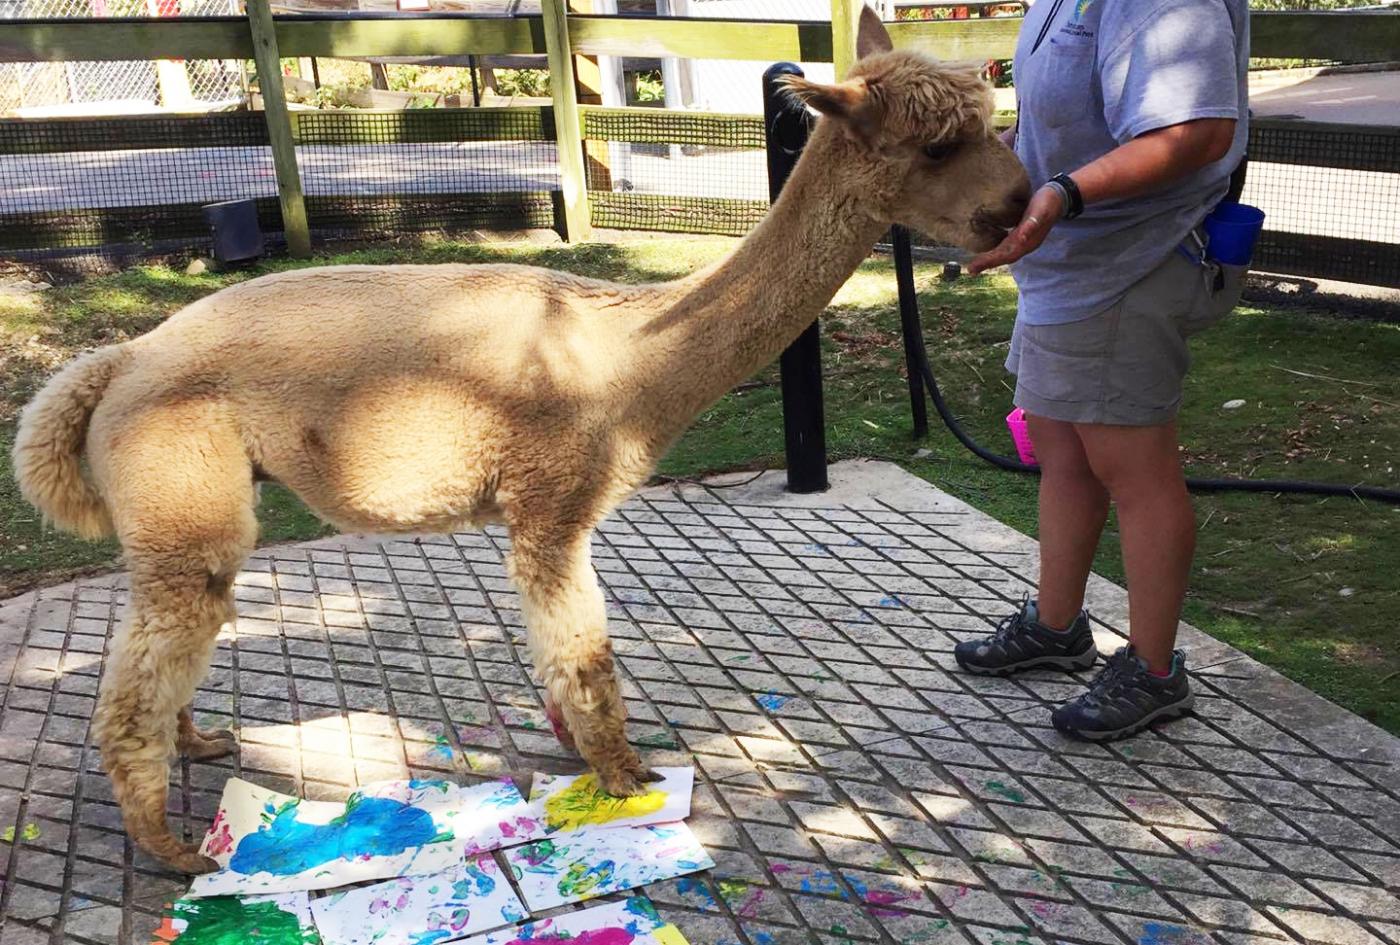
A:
(48, 88)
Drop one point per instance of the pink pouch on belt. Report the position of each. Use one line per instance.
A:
(1016, 423)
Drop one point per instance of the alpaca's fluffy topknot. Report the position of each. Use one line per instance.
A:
(925, 101)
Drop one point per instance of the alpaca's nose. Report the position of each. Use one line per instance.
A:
(1019, 201)
(1013, 209)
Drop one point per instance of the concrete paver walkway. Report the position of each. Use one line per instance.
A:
(852, 785)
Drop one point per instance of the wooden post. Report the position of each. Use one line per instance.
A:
(279, 128)
(589, 74)
(171, 77)
(845, 17)
(568, 134)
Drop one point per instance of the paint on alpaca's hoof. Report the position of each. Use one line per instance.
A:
(624, 783)
(556, 722)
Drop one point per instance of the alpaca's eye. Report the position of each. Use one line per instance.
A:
(939, 152)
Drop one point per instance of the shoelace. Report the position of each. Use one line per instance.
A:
(1009, 625)
(1115, 677)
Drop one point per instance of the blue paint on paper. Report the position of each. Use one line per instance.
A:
(370, 826)
(477, 883)
(428, 938)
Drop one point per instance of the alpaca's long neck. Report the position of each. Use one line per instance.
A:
(740, 315)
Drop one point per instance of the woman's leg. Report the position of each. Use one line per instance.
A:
(1073, 509)
(1141, 468)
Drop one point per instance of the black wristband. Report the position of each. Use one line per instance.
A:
(1071, 189)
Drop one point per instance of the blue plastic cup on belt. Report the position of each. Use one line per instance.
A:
(1232, 230)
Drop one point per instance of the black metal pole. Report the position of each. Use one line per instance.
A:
(787, 125)
(913, 331)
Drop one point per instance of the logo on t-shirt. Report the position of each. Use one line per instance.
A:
(1077, 28)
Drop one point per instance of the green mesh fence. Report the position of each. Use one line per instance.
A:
(134, 180)
(126, 184)
(674, 171)
(386, 173)
(1332, 193)
(1332, 196)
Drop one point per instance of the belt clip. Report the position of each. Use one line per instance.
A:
(1201, 257)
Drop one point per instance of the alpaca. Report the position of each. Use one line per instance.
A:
(405, 398)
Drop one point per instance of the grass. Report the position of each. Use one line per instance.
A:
(1304, 585)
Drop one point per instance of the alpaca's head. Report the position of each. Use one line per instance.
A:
(922, 151)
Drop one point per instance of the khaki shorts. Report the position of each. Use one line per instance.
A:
(1125, 364)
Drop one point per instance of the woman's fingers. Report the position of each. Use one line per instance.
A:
(1041, 216)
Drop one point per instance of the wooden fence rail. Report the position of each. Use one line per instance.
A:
(1340, 36)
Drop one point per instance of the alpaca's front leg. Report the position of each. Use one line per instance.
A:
(567, 624)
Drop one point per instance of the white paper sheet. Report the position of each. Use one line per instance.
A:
(268, 842)
(634, 922)
(575, 802)
(421, 910)
(601, 860)
(494, 815)
(253, 920)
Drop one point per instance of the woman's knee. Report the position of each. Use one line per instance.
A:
(1134, 462)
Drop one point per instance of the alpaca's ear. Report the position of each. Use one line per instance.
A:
(872, 37)
(849, 102)
(842, 100)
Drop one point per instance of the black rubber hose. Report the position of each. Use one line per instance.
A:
(1193, 483)
(905, 258)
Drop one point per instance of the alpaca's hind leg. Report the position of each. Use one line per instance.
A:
(568, 628)
(158, 661)
(199, 744)
(186, 524)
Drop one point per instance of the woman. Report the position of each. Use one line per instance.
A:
(1132, 115)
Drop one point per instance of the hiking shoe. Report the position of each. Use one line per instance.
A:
(1023, 642)
(1125, 698)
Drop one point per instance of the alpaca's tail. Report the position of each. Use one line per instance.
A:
(49, 446)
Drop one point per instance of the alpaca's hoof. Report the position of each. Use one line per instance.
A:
(193, 863)
(181, 857)
(209, 745)
(623, 783)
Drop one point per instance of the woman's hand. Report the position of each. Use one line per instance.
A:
(1148, 162)
(1043, 212)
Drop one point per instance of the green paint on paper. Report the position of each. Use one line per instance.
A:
(230, 920)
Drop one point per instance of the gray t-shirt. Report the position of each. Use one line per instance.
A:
(1106, 72)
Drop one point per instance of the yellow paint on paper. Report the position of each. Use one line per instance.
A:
(584, 804)
(668, 935)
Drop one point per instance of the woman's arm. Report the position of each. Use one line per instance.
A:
(1148, 162)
